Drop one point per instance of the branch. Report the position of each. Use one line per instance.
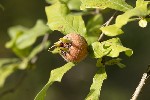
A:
(141, 84)
(106, 24)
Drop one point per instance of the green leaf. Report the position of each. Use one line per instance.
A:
(22, 38)
(120, 5)
(72, 4)
(56, 75)
(14, 33)
(29, 37)
(140, 11)
(116, 61)
(60, 19)
(38, 49)
(99, 63)
(111, 30)
(7, 67)
(55, 1)
(98, 50)
(111, 47)
(97, 84)
(23, 64)
(5, 61)
(116, 47)
(93, 31)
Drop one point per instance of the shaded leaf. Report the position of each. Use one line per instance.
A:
(56, 75)
(5, 71)
(23, 64)
(99, 63)
(14, 33)
(120, 5)
(5, 61)
(38, 49)
(22, 38)
(60, 20)
(95, 88)
(93, 31)
(29, 37)
(116, 61)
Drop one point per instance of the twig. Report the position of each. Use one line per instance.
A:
(141, 84)
(106, 24)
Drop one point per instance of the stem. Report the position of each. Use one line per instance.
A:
(141, 84)
(106, 24)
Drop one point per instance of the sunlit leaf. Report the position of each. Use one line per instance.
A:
(112, 30)
(60, 19)
(98, 50)
(120, 5)
(72, 4)
(116, 47)
(95, 88)
(140, 10)
(111, 47)
(56, 75)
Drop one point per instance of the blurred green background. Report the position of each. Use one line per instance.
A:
(120, 85)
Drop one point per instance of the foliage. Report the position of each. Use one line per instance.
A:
(22, 40)
(61, 17)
